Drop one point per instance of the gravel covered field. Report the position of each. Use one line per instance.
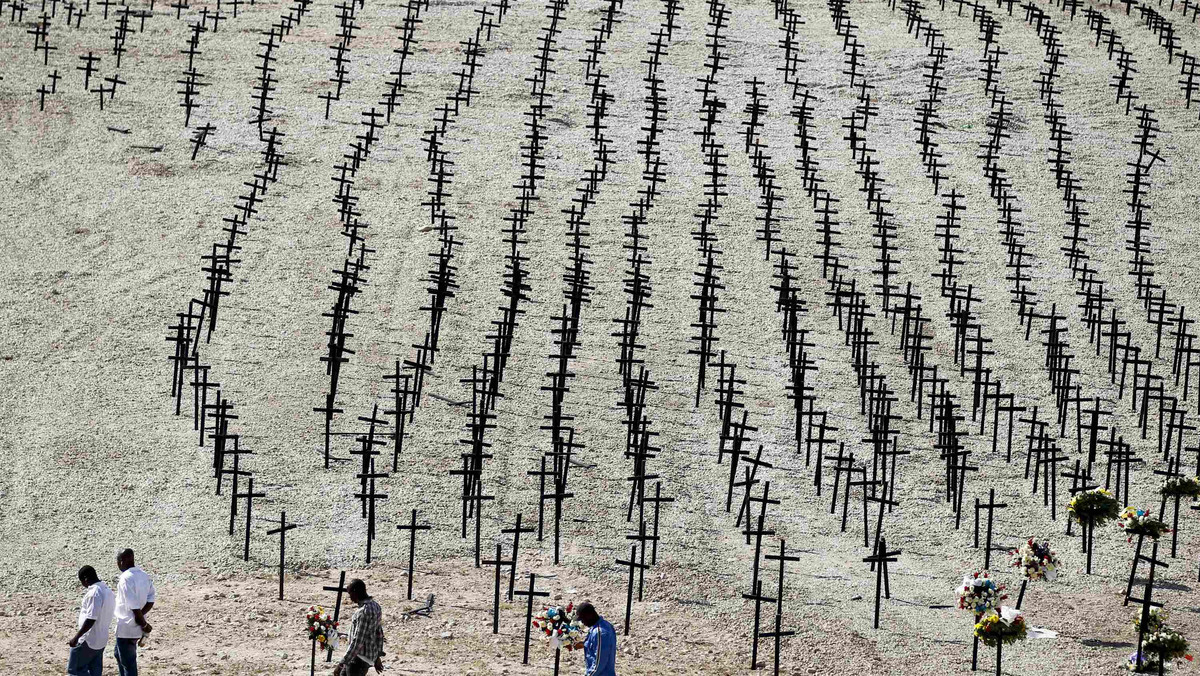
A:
(604, 250)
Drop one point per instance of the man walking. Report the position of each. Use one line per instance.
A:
(95, 616)
(366, 634)
(135, 598)
(600, 646)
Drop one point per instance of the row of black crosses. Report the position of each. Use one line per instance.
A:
(349, 280)
(1040, 443)
(346, 14)
(1159, 311)
(1164, 30)
(212, 412)
(408, 375)
(486, 378)
(708, 275)
(1172, 423)
(577, 287)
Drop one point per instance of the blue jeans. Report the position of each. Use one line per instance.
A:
(84, 661)
(126, 654)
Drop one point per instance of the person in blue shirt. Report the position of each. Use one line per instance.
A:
(600, 646)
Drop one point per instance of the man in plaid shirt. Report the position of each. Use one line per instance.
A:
(366, 634)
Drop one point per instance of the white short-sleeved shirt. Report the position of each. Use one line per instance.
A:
(98, 604)
(134, 590)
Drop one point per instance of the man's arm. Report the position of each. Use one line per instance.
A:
(87, 625)
(140, 620)
(146, 608)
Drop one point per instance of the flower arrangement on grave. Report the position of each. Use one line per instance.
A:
(1097, 506)
(1160, 643)
(1146, 664)
(561, 626)
(979, 593)
(1036, 560)
(1002, 626)
(1182, 486)
(1156, 620)
(1138, 522)
(321, 627)
(1166, 644)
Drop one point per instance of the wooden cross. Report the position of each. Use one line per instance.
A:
(1148, 602)
(516, 532)
(884, 501)
(498, 562)
(233, 494)
(658, 499)
(284, 527)
(758, 599)
(1171, 472)
(370, 496)
(249, 495)
(882, 557)
(782, 557)
(477, 501)
(337, 605)
(642, 539)
(633, 565)
(412, 529)
(1081, 480)
(541, 474)
(530, 594)
(991, 506)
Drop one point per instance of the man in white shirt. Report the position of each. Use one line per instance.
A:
(95, 616)
(135, 598)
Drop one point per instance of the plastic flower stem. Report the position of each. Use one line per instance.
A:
(312, 663)
(1021, 596)
(557, 652)
(999, 651)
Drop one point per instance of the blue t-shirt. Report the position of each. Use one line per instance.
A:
(600, 650)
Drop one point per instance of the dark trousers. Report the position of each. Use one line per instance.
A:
(356, 667)
(126, 654)
(84, 661)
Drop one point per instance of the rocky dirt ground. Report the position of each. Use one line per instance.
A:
(101, 242)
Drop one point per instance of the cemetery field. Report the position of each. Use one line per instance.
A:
(759, 324)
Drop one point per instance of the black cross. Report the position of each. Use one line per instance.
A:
(782, 557)
(758, 599)
(657, 500)
(337, 605)
(882, 557)
(1148, 602)
(498, 562)
(249, 495)
(284, 527)
(412, 529)
(633, 565)
(371, 496)
(991, 506)
(530, 593)
(516, 532)
(642, 539)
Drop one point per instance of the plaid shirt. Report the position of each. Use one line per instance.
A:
(366, 634)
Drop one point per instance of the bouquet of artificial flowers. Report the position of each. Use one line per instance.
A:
(321, 627)
(1183, 486)
(1136, 522)
(561, 626)
(979, 593)
(1156, 620)
(1036, 561)
(1006, 626)
(1096, 505)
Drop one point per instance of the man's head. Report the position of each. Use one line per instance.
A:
(587, 614)
(87, 576)
(125, 559)
(357, 589)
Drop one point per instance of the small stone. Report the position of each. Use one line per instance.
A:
(447, 634)
(856, 597)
